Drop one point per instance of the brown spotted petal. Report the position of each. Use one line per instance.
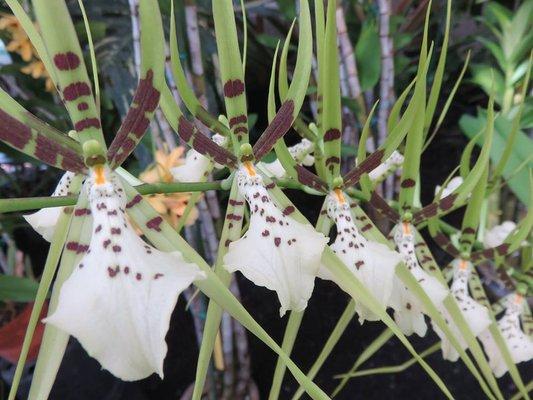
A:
(408, 310)
(476, 315)
(44, 221)
(277, 252)
(520, 345)
(374, 264)
(118, 301)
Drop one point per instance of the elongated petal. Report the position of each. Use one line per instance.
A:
(496, 235)
(519, 344)
(476, 315)
(300, 152)
(453, 184)
(372, 263)
(119, 299)
(408, 311)
(276, 252)
(394, 161)
(45, 220)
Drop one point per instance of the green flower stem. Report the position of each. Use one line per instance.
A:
(58, 240)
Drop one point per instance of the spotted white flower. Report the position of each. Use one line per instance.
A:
(496, 236)
(476, 315)
(394, 161)
(453, 184)
(520, 345)
(118, 301)
(408, 310)
(277, 251)
(300, 152)
(44, 221)
(196, 166)
(372, 263)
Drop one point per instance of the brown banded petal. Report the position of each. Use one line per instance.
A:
(394, 161)
(45, 220)
(118, 301)
(372, 263)
(277, 252)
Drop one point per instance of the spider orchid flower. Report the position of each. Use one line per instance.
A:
(496, 235)
(453, 184)
(300, 152)
(476, 315)
(372, 263)
(520, 345)
(118, 301)
(277, 251)
(394, 161)
(196, 166)
(45, 220)
(409, 311)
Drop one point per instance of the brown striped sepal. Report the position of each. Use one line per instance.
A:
(276, 129)
(56, 150)
(440, 207)
(490, 253)
(367, 165)
(381, 205)
(136, 122)
(203, 145)
(445, 244)
(309, 179)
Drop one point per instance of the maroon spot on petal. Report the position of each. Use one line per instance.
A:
(117, 248)
(359, 264)
(77, 89)
(66, 61)
(227, 242)
(126, 270)
(233, 88)
(408, 183)
(98, 229)
(83, 106)
(333, 160)
(82, 211)
(112, 212)
(288, 210)
(264, 199)
(113, 271)
(277, 241)
(87, 123)
(469, 231)
(240, 119)
(14, 132)
(158, 275)
(138, 276)
(155, 223)
(82, 248)
(80, 266)
(72, 246)
(270, 219)
(116, 231)
(241, 130)
(271, 185)
(332, 134)
(234, 217)
(265, 233)
(136, 200)
(235, 202)
(106, 243)
(408, 306)
(366, 227)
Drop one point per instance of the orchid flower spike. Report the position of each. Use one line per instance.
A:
(277, 251)
(476, 315)
(392, 163)
(44, 221)
(497, 234)
(196, 166)
(520, 345)
(372, 263)
(453, 184)
(300, 152)
(409, 311)
(118, 301)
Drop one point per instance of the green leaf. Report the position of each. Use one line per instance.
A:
(368, 56)
(14, 288)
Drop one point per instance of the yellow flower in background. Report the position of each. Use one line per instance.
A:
(21, 44)
(171, 206)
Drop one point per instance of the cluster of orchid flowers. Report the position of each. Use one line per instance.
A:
(118, 299)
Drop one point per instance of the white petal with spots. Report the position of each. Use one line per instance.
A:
(408, 310)
(45, 220)
(372, 263)
(394, 161)
(118, 301)
(520, 345)
(194, 169)
(476, 315)
(276, 252)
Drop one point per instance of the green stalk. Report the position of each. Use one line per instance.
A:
(56, 246)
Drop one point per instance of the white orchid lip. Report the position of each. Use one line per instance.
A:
(519, 344)
(120, 297)
(374, 264)
(277, 252)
